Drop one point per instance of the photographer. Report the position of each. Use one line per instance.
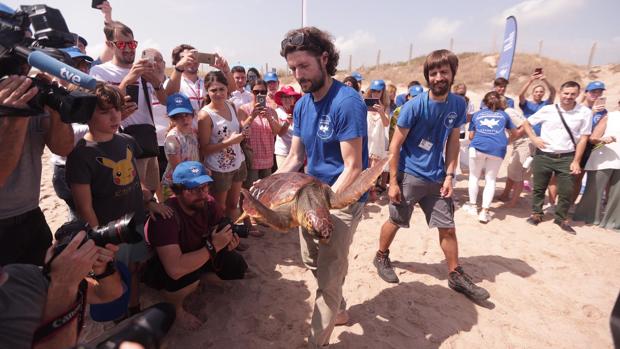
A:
(30, 302)
(189, 243)
(24, 233)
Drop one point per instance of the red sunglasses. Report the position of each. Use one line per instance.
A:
(122, 44)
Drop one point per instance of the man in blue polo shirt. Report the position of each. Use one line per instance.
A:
(500, 85)
(419, 174)
(330, 131)
(528, 107)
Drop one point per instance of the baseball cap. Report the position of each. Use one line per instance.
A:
(178, 103)
(270, 76)
(415, 90)
(190, 174)
(74, 52)
(595, 85)
(357, 76)
(377, 85)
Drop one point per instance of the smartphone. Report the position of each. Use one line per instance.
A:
(538, 71)
(150, 56)
(600, 101)
(97, 3)
(207, 58)
(371, 101)
(262, 100)
(132, 91)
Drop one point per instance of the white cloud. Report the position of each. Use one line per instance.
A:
(359, 39)
(532, 10)
(439, 28)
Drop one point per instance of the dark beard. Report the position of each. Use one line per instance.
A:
(315, 84)
(440, 90)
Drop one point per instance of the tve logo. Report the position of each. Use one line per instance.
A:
(69, 76)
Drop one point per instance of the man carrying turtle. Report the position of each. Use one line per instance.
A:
(330, 131)
(420, 174)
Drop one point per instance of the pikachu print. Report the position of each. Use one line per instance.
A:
(123, 171)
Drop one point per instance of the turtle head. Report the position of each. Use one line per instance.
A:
(313, 212)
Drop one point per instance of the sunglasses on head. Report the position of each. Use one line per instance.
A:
(122, 44)
(296, 39)
(259, 92)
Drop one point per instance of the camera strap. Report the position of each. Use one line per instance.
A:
(76, 311)
(148, 98)
(566, 126)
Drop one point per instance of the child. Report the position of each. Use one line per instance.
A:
(182, 140)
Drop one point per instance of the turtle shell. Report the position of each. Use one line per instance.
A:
(280, 188)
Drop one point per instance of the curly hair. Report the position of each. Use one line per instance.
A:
(176, 52)
(315, 41)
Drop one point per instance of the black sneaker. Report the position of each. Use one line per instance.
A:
(461, 282)
(565, 227)
(384, 267)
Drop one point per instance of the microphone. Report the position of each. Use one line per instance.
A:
(61, 70)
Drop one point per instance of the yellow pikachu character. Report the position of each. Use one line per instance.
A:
(123, 172)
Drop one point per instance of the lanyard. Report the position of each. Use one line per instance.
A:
(196, 94)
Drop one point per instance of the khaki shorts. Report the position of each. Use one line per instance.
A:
(222, 181)
(521, 149)
(148, 170)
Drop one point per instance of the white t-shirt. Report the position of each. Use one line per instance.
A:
(283, 143)
(160, 116)
(553, 132)
(240, 98)
(608, 155)
(114, 75)
(195, 91)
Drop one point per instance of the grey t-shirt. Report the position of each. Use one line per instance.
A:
(20, 193)
(22, 301)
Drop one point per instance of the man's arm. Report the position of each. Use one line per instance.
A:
(400, 134)
(84, 203)
(59, 136)
(538, 142)
(108, 52)
(551, 89)
(579, 148)
(296, 157)
(452, 155)
(351, 151)
(523, 90)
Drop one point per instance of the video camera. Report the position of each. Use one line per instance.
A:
(20, 49)
(147, 328)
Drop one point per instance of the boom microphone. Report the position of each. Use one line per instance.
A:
(59, 69)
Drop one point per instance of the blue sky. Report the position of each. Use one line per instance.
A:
(249, 31)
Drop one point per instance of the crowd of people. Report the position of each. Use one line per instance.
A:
(175, 152)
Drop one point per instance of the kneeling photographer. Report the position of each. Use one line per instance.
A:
(194, 241)
(45, 309)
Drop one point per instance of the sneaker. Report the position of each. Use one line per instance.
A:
(484, 216)
(461, 282)
(565, 227)
(470, 209)
(384, 267)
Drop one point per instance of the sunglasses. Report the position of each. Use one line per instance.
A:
(296, 39)
(122, 44)
(259, 92)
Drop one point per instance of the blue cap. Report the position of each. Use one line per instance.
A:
(178, 103)
(595, 85)
(357, 76)
(377, 85)
(415, 90)
(270, 76)
(190, 174)
(74, 52)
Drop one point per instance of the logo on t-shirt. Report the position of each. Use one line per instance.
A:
(450, 119)
(123, 172)
(489, 124)
(326, 128)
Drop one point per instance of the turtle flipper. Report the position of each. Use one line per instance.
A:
(262, 214)
(361, 185)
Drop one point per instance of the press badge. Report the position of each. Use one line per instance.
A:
(426, 145)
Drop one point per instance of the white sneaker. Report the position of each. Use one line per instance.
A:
(470, 209)
(484, 216)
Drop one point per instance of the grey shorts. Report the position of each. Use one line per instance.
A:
(439, 211)
(222, 181)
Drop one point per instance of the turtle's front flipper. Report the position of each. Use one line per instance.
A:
(361, 185)
(262, 214)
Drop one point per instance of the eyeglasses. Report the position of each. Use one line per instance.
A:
(216, 90)
(122, 44)
(296, 39)
(259, 92)
(199, 190)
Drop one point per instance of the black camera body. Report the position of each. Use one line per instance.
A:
(50, 34)
(239, 229)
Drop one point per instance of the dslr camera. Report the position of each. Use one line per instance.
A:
(21, 48)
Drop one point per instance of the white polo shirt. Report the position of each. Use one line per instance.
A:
(240, 98)
(114, 75)
(553, 132)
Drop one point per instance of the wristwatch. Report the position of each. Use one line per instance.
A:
(109, 270)
(450, 174)
(179, 70)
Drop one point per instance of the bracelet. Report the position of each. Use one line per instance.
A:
(179, 70)
(450, 174)
(210, 248)
(109, 270)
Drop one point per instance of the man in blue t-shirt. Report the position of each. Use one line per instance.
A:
(529, 108)
(499, 86)
(329, 131)
(403, 98)
(419, 173)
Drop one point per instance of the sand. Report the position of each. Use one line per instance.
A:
(548, 288)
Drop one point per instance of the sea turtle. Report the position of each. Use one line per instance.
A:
(288, 200)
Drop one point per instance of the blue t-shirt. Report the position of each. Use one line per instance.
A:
(322, 125)
(596, 117)
(490, 137)
(509, 102)
(530, 108)
(429, 123)
(401, 99)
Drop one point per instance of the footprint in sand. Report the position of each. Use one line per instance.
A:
(591, 312)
